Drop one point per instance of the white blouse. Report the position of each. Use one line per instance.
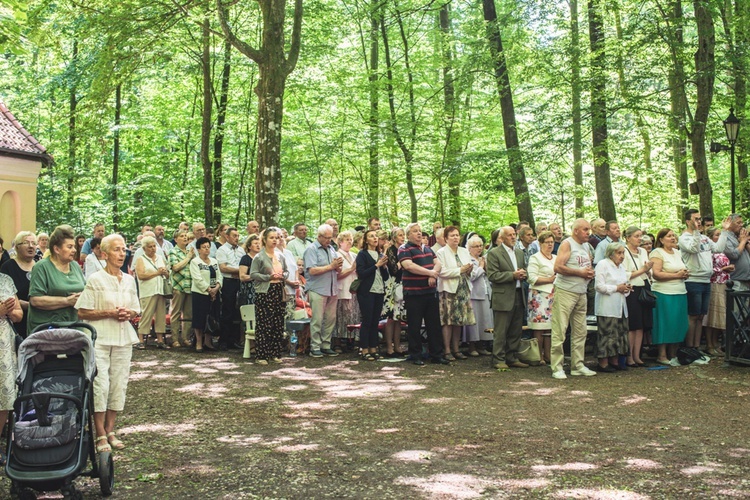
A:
(608, 301)
(450, 270)
(155, 285)
(541, 267)
(344, 283)
(640, 260)
(104, 291)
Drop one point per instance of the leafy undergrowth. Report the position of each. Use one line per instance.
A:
(214, 426)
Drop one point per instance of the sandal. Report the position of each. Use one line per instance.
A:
(368, 357)
(139, 346)
(114, 442)
(262, 362)
(101, 448)
(176, 344)
(162, 345)
(450, 357)
(459, 355)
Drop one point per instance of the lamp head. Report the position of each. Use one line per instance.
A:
(732, 126)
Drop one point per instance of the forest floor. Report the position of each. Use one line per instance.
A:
(215, 426)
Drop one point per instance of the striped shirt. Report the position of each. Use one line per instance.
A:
(416, 284)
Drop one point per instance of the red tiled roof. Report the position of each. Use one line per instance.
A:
(15, 138)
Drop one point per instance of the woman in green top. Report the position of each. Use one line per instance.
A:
(55, 283)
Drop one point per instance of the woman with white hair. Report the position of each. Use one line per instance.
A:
(108, 303)
(480, 299)
(612, 288)
(42, 248)
(151, 271)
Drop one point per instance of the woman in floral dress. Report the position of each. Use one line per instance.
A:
(716, 321)
(541, 278)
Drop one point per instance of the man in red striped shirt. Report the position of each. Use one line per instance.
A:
(420, 296)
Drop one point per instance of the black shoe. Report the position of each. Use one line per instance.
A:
(605, 369)
(418, 362)
(440, 361)
(416, 359)
(222, 347)
(238, 346)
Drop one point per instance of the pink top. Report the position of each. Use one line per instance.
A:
(719, 276)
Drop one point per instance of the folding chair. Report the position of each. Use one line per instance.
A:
(248, 316)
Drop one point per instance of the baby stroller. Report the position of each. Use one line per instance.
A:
(51, 434)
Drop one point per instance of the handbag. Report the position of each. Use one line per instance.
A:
(168, 290)
(645, 297)
(355, 285)
(528, 352)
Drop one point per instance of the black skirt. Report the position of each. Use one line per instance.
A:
(639, 317)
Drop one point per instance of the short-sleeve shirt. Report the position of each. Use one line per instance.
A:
(47, 280)
(230, 256)
(416, 284)
(325, 284)
(104, 291)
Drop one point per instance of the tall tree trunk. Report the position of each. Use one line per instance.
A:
(452, 148)
(641, 173)
(116, 160)
(678, 103)
(274, 67)
(407, 148)
(72, 132)
(575, 87)
(605, 200)
(704, 85)
(373, 186)
(512, 147)
(206, 123)
(221, 116)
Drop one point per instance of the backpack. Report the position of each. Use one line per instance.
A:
(687, 355)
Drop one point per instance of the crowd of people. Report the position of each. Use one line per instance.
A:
(449, 289)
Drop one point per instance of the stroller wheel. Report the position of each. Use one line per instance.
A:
(106, 473)
(18, 493)
(70, 492)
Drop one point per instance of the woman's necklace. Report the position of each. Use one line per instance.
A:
(545, 256)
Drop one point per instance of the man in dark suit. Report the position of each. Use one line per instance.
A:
(506, 271)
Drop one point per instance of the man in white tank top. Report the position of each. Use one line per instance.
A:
(574, 271)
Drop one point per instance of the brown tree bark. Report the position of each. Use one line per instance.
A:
(116, 160)
(274, 67)
(604, 197)
(221, 116)
(452, 148)
(512, 147)
(704, 85)
(206, 113)
(373, 185)
(575, 87)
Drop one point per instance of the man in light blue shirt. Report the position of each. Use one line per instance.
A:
(322, 265)
(613, 234)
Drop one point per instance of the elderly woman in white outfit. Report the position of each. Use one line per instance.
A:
(612, 288)
(454, 289)
(476, 335)
(108, 303)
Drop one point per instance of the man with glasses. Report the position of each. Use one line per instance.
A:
(199, 231)
(697, 250)
(322, 265)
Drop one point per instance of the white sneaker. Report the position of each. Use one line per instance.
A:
(559, 375)
(583, 371)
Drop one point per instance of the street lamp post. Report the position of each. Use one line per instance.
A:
(732, 128)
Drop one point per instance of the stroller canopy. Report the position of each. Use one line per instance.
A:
(54, 342)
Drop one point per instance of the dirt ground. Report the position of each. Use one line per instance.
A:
(215, 426)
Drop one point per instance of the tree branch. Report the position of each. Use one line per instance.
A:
(291, 61)
(247, 49)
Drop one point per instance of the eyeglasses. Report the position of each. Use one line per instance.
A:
(29, 243)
